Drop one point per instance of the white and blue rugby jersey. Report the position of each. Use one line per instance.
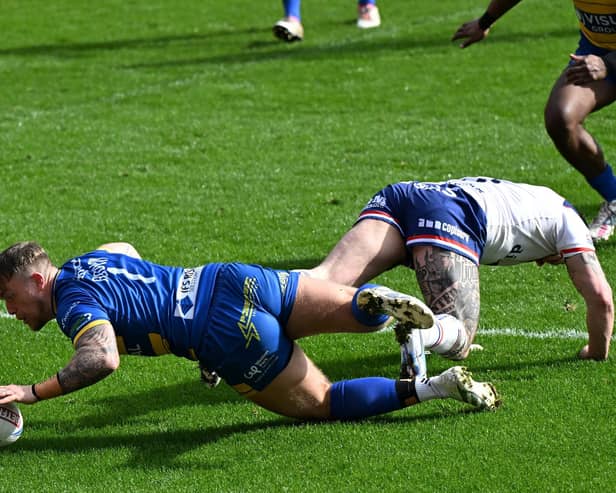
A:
(525, 222)
(487, 220)
(153, 309)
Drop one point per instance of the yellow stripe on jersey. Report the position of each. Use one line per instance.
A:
(243, 388)
(598, 21)
(159, 345)
(121, 345)
(88, 327)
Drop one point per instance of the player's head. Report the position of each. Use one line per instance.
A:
(24, 278)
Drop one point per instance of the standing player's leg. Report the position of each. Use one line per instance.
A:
(368, 15)
(290, 28)
(566, 109)
(450, 286)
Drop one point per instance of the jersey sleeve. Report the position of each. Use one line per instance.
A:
(77, 312)
(574, 236)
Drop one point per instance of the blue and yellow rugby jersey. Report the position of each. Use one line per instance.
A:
(598, 21)
(153, 309)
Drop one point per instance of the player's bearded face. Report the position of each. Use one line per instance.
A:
(35, 320)
(24, 299)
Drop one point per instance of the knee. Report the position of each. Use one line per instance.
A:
(315, 404)
(561, 120)
(319, 407)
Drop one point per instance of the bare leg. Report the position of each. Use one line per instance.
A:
(370, 248)
(565, 112)
(300, 391)
(450, 284)
(323, 307)
(303, 391)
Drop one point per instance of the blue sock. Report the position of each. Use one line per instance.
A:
(366, 2)
(363, 397)
(291, 8)
(363, 316)
(605, 183)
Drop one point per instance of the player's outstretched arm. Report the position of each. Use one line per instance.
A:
(96, 356)
(588, 277)
(478, 29)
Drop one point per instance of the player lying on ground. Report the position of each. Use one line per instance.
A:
(237, 320)
(445, 230)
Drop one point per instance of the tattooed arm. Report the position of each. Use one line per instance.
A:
(450, 284)
(587, 276)
(96, 356)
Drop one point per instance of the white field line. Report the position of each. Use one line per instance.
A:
(548, 334)
(555, 333)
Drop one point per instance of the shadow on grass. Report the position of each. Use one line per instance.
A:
(114, 409)
(69, 50)
(263, 50)
(359, 47)
(163, 448)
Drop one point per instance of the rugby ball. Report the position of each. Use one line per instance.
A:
(11, 424)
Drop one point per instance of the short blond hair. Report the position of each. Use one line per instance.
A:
(21, 258)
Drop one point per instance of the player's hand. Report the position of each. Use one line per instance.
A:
(585, 69)
(17, 393)
(470, 32)
(585, 353)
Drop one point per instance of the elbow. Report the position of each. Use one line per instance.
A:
(607, 297)
(601, 302)
(607, 303)
(109, 364)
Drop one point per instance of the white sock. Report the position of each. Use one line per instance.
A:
(446, 334)
(426, 391)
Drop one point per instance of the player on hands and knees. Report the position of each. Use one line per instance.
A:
(444, 230)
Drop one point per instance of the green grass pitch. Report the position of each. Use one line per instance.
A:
(185, 128)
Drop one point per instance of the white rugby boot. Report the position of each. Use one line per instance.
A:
(368, 16)
(289, 30)
(412, 353)
(403, 307)
(603, 225)
(457, 383)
